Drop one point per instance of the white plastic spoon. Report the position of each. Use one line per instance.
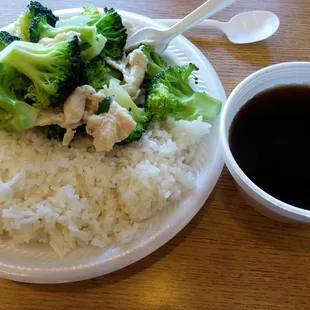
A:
(160, 39)
(247, 27)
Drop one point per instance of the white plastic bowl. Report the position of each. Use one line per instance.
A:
(280, 74)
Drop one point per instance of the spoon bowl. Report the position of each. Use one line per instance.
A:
(244, 28)
(250, 27)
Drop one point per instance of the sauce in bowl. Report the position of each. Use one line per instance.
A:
(270, 141)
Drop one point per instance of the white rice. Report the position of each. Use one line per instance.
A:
(70, 197)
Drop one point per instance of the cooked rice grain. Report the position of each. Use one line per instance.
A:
(70, 196)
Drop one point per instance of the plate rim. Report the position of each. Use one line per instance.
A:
(101, 268)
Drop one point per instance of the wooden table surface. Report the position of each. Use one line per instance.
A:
(228, 256)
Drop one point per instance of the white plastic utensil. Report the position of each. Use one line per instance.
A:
(247, 27)
(160, 39)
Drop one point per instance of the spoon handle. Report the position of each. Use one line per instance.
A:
(206, 10)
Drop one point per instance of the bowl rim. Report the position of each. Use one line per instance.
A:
(269, 202)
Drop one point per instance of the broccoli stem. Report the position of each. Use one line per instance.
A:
(16, 115)
(85, 32)
(95, 48)
(198, 105)
(121, 96)
(92, 43)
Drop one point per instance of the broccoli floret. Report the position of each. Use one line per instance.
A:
(170, 94)
(92, 43)
(92, 13)
(104, 105)
(112, 28)
(15, 113)
(141, 116)
(54, 132)
(36, 8)
(22, 25)
(135, 135)
(155, 63)
(97, 73)
(6, 39)
(55, 71)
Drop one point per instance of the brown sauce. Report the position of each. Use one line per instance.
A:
(270, 140)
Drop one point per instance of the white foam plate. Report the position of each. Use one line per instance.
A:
(37, 263)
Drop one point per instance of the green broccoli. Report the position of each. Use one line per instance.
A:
(104, 105)
(92, 43)
(170, 94)
(55, 71)
(109, 25)
(92, 14)
(15, 113)
(6, 39)
(112, 28)
(54, 132)
(135, 135)
(22, 25)
(97, 73)
(141, 116)
(155, 63)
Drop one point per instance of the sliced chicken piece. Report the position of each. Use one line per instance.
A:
(73, 111)
(82, 103)
(119, 65)
(68, 137)
(133, 69)
(135, 76)
(110, 128)
(78, 107)
(93, 99)
(74, 106)
(56, 117)
(48, 42)
(50, 117)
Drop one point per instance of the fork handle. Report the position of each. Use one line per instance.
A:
(206, 23)
(206, 10)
